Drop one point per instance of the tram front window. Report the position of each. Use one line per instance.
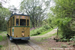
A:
(27, 22)
(17, 22)
(22, 22)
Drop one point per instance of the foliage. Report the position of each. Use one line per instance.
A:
(51, 20)
(35, 9)
(40, 31)
(44, 32)
(4, 12)
(72, 39)
(62, 15)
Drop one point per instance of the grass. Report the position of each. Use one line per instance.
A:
(0, 32)
(3, 32)
(1, 38)
(47, 31)
(0, 46)
(5, 37)
(42, 33)
(53, 34)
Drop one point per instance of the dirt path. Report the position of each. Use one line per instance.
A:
(35, 46)
(49, 33)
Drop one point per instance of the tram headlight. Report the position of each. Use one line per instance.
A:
(22, 34)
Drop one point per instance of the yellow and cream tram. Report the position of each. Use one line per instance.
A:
(18, 27)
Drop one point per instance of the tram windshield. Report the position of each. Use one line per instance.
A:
(22, 22)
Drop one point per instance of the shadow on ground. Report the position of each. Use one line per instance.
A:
(20, 42)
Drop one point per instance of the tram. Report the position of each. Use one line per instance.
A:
(18, 27)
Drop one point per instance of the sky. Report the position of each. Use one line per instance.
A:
(16, 3)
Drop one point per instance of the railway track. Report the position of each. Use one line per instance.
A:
(24, 46)
(31, 47)
(11, 44)
(18, 47)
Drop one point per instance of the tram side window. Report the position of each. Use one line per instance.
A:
(9, 23)
(27, 22)
(13, 21)
(23, 22)
(17, 22)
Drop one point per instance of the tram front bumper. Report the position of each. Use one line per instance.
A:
(22, 38)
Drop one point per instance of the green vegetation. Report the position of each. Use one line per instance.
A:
(63, 16)
(3, 32)
(3, 35)
(0, 46)
(0, 32)
(1, 38)
(4, 12)
(44, 32)
(40, 31)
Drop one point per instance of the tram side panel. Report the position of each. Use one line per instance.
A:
(10, 31)
(27, 32)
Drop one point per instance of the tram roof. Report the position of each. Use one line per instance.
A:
(18, 14)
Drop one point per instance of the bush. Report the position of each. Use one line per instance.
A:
(46, 27)
(64, 40)
(72, 39)
(39, 30)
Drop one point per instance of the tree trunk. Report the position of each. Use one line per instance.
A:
(33, 24)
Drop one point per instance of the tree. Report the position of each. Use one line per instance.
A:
(64, 13)
(4, 12)
(35, 9)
